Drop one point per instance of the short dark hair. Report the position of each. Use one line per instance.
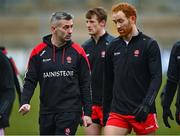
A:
(56, 16)
(100, 12)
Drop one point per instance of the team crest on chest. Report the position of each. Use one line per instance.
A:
(136, 53)
(69, 59)
(103, 54)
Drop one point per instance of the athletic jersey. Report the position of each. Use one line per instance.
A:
(7, 92)
(64, 77)
(133, 74)
(96, 56)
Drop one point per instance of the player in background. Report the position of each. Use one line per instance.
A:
(7, 92)
(173, 80)
(95, 48)
(16, 74)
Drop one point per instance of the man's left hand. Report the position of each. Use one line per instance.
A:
(87, 121)
(141, 113)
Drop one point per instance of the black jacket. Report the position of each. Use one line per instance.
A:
(7, 92)
(96, 56)
(17, 78)
(173, 76)
(133, 74)
(63, 75)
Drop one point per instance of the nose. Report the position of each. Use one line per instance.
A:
(118, 25)
(70, 30)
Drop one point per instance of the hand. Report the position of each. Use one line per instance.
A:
(86, 121)
(167, 113)
(177, 116)
(24, 109)
(141, 113)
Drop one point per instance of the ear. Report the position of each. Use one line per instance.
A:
(132, 19)
(53, 29)
(103, 23)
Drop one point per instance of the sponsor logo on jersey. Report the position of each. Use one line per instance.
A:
(69, 59)
(116, 53)
(42, 52)
(149, 127)
(103, 54)
(58, 74)
(46, 60)
(136, 53)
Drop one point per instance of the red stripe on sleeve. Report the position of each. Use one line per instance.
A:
(37, 50)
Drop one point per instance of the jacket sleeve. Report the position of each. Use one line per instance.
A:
(173, 77)
(7, 93)
(17, 79)
(108, 82)
(155, 69)
(84, 84)
(30, 79)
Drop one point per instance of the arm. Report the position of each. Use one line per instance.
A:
(17, 79)
(171, 86)
(155, 69)
(84, 83)
(30, 82)
(108, 85)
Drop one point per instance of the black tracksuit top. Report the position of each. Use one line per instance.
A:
(7, 92)
(63, 75)
(133, 74)
(173, 75)
(96, 56)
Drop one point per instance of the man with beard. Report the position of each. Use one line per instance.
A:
(62, 70)
(133, 76)
(95, 48)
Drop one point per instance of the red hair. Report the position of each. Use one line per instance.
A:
(126, 8)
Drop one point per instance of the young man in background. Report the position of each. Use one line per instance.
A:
(95, 49)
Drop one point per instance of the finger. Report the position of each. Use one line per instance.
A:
(84, 123)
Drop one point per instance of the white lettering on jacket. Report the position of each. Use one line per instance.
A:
(58, 74)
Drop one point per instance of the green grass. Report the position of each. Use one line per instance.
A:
(28, 124)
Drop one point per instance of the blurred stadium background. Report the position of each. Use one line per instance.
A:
(23, 23)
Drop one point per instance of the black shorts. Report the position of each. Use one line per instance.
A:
(59, 123)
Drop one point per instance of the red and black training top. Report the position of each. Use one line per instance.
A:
(64, 77)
